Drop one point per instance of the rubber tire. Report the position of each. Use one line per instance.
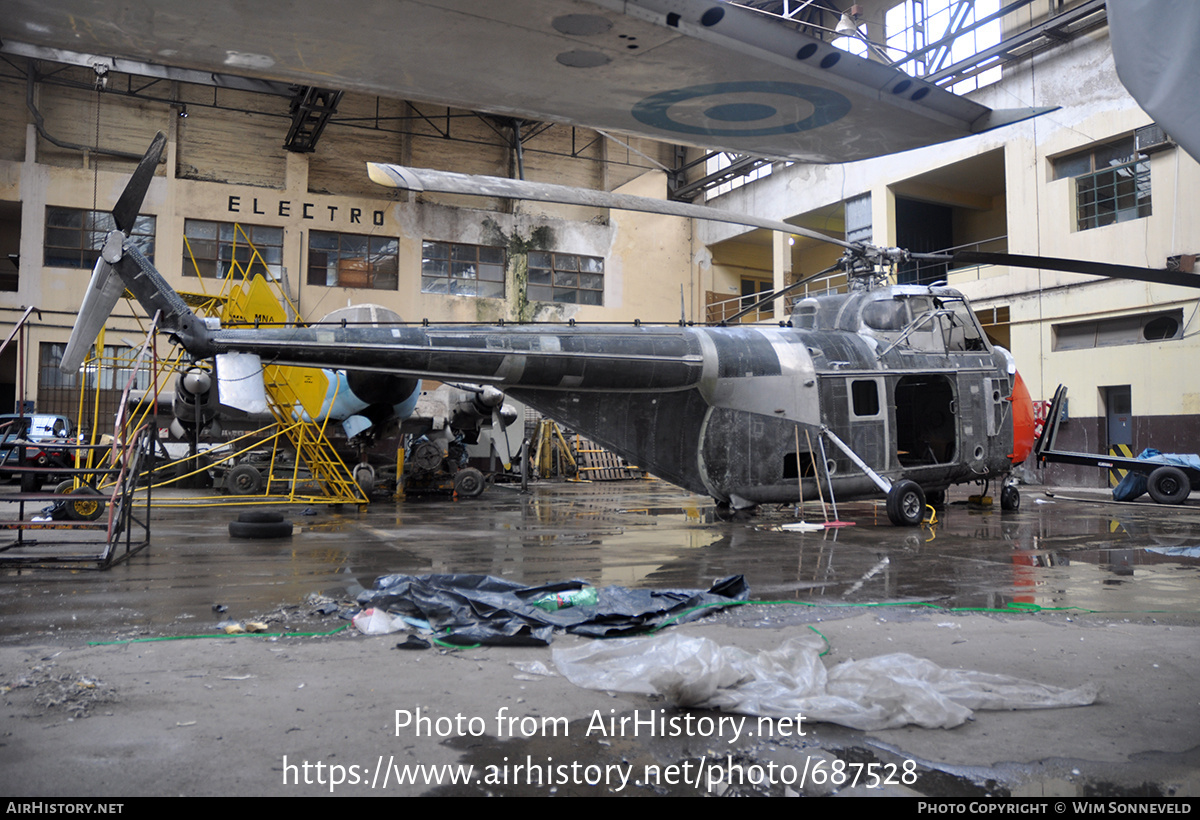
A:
(364, 477)
(244, 479)
(260, 517)
(31, 483)
(88, 508)
(469, 483)
(1168, 485)
(936, 498)
(267, 529)
(906, 503)
(1010, 499)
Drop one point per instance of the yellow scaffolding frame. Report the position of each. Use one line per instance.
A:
(234, 302)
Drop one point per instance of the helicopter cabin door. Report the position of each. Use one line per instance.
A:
(856, 409)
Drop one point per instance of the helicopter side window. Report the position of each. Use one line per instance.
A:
(888, 315)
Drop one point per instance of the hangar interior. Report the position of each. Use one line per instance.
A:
(281, 167)
(669, 335)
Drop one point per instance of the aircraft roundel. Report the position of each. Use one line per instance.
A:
(757, 108)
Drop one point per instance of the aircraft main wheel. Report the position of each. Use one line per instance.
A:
(906, 503)
(1168, 485)
(469, 482)
(1010, 499)
(85, 504)
(244, 479)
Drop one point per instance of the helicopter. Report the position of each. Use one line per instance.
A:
(891, 390)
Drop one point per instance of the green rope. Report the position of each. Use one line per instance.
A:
(223, 635)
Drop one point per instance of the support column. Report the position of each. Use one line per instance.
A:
(781, 266)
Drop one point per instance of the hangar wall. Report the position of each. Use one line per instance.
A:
(225, 165)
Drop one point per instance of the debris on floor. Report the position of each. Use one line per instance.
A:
(483, 609)
(884, 692)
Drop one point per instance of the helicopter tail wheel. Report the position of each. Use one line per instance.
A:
(906, 503)
(468, 482)
(1168, 485)
(1010, 498)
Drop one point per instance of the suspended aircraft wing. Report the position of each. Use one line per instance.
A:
(702, 72)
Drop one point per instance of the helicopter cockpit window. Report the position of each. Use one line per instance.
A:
(925, 334)
(960, 329)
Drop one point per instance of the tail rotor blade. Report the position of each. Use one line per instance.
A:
(126, 210)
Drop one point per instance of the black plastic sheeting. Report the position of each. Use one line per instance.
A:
(483, 609)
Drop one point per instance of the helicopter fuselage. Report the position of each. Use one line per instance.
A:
(900, 380)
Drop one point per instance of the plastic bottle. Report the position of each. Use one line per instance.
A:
(585, 596)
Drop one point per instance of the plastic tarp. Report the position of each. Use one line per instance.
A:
(467, 609)
(1133, 485)
(884, 692)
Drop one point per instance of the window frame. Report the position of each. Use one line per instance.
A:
(371, 252)
(243, 236)
(90, 234)
(461, 269)
(1116, 168)
(1115, 331)
(551, 278)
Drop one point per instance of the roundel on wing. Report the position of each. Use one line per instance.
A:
(759, 108)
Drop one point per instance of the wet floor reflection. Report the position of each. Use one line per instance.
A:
(1123, 560)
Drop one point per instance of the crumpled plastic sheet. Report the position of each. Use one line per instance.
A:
(469, 609)
(1133, 485)
(883, 692)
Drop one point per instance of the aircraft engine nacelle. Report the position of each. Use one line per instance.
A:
(195, 405)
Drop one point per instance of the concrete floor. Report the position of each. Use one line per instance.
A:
(1068, 590)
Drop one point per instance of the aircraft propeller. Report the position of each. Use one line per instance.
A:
(491, 399)
(105, 289)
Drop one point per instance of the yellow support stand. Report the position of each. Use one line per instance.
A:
(295, 395)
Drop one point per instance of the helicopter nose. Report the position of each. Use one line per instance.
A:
(1023, 420)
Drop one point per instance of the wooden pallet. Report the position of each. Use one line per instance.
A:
(598, 464)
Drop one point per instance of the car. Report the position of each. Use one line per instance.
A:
(39, 431)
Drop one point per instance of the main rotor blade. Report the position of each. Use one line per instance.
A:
(126, 210)
(1160, 276)
(446, 182)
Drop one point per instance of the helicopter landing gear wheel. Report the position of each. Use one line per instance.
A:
(1010, 499)
(468, 483)
(1168, 485)
(906, 503)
